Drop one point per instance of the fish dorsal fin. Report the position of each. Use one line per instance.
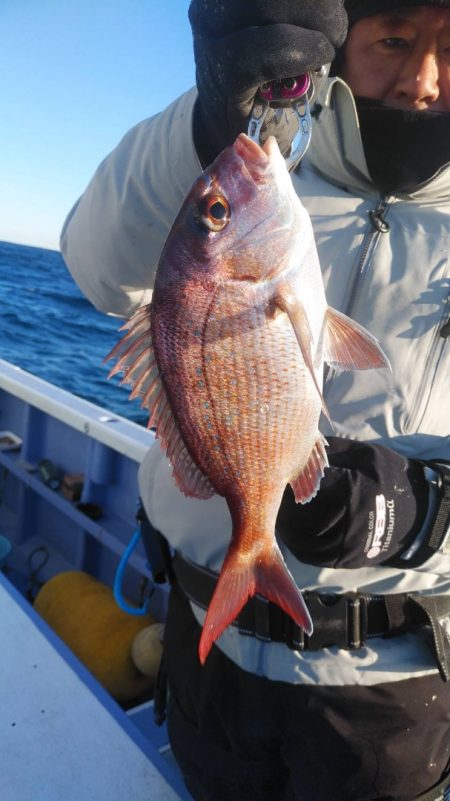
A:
(294, 308)
(349, 345)
(136, 360)
(306, 484)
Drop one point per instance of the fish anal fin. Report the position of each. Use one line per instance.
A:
(239, 580)
(349, 345)
(306, 484)
(136, 360)
(294, 308)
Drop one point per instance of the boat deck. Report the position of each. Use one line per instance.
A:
(62, 736)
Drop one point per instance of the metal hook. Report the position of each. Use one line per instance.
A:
(289, 93)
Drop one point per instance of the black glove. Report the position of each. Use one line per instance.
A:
(370, 506)
(240, 44)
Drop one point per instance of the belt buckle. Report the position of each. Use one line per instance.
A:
(339, 620)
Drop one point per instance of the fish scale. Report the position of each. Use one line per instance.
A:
(252, 363)
(228, 358)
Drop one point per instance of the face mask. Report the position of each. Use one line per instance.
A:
(403, 149)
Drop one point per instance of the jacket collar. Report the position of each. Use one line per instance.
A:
(337, 151)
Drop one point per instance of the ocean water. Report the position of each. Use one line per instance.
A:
(48, 328)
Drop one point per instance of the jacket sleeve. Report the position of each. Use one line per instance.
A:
(112, 238)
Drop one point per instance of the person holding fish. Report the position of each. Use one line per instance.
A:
(301, 473)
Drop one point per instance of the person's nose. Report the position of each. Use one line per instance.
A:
(418, 83)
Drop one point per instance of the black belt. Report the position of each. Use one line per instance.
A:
(344, 620)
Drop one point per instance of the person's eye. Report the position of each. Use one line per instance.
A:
(394, 43)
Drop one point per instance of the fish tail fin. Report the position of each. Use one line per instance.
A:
(239, 581)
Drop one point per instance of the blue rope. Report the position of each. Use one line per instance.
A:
(118, 580)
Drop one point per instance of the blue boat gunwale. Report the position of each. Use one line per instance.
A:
(102, 437)
(98, 530)
(124, 436)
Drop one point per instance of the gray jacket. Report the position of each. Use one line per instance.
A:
(395, 279)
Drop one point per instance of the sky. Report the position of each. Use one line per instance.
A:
(75, 76)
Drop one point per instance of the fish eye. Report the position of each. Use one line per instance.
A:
(214, 212)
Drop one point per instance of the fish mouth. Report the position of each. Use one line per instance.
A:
(262, 162)
(255, 158)
(265, 165)
(272, 150)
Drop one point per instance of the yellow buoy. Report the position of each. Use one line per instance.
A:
(83, 612)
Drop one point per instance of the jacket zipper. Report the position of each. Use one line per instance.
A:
(433, 362)
(445, 329)
(378, 226)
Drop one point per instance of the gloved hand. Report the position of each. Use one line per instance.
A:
(370, 506)
(240, 44)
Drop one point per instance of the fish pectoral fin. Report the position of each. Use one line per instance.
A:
(239, 580)
(306, 484)
(349, 345)
(295, 310)
(136, 360)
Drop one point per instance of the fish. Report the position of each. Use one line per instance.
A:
(228, 358)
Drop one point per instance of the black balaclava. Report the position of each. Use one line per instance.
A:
(404, 149)
(357, 9)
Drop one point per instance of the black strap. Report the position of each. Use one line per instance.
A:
(160, 694)
(437, 612)
(437, 536)
(441, 525)
(345, 620)
(157, 550)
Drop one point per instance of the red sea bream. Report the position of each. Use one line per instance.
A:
(229, 356)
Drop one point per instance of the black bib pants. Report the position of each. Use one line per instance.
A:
(242, 737)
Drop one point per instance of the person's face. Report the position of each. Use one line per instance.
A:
(402, 58)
